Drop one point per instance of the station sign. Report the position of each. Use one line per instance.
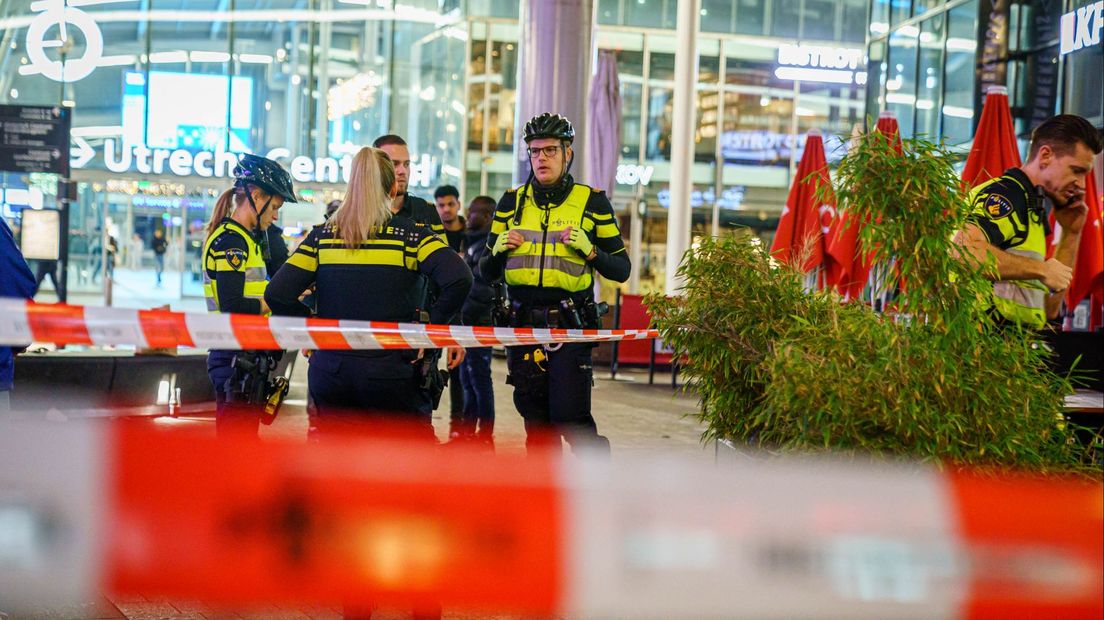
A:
(123, 158)
(34, 139)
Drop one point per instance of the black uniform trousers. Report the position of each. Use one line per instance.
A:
(367, 396)
(230, 418)
(553, 395)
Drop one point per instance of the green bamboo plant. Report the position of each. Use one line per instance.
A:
(784, 369)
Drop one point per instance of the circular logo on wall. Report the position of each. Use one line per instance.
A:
(51, 37)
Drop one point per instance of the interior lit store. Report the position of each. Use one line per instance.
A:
(165, 94)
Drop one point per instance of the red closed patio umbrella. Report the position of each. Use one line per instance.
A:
(800, 234)
(995, 149)
(847, 266)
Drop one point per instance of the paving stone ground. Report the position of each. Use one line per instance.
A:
(636, 417)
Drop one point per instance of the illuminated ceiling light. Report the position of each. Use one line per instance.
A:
(924, 104)
(202, 56)
(259, 59)
(166, 57)
(428, 93)
(909, 31)
(879, 27)
(957, 112)
(458, 107)
(442, 145)
(900, 98)
(14, 93)
(961, 45)
(123, 60)
(268, 106)
(295, 79)
(451, 127)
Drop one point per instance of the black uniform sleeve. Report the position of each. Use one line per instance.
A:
(449, 272)
(282, 293)
(422, 211)
(611, 260)
(490, 266)
(230, 282)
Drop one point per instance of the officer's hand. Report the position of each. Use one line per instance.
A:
(506, 242)
(1056, 275)
(454, 355)
(1072, 216)
(418, 358)
(576, 238)
(264, 307)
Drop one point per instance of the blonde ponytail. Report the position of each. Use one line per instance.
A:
(367, 204)
(223, 208)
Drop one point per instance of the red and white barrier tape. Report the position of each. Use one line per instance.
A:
(124, 509)
(23, 322)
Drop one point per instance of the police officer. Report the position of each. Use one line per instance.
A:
(1009, 221)
(234, 273)
(548, 238)
(404, 203)
(414, 208)
(366, 264)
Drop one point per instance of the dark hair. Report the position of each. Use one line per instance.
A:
(485, 201)
(447, 190)
(387, 140)
(1062, 133)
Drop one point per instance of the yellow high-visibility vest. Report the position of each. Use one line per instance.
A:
(252, 264)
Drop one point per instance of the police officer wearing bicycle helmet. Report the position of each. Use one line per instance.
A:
(234, 272)
(548, 238)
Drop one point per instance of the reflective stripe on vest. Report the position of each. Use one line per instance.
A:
(256, 275)
(543, 260)
(1021, 301)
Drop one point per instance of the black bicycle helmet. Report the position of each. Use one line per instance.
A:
(549, 126)
(265, 174)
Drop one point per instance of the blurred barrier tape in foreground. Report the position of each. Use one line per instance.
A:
(23, 322)
(126, 508)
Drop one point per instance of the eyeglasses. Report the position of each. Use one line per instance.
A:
(547, 151)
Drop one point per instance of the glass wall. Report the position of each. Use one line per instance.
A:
(183, 86)
(927, 75)
(166, 94)
(931, 76)
(760, 89)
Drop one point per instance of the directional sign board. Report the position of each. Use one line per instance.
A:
(34, 139)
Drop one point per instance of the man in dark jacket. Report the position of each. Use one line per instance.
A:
(17, 281)
(476, 367)
(447, 201)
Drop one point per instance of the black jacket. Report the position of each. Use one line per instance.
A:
(477, 307)
(421, 212)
